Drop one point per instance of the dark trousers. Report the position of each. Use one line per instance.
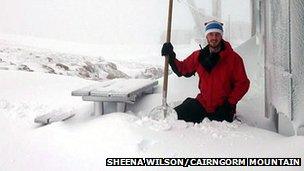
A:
(192, 111)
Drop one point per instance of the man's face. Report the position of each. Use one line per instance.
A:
(214, 39)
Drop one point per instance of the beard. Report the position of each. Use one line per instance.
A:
(214, 44)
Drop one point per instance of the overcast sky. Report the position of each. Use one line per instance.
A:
(105, 21)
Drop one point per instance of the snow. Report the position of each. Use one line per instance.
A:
(121, 86)
(85, 141)
(254, 115)
(17, 57)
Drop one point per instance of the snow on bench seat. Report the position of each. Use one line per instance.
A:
(120, 91)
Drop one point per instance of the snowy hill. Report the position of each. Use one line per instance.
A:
(31, 59)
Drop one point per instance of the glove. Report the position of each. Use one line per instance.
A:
(225, 112)
(167, 50)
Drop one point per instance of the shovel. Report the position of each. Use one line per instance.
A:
(165, 111)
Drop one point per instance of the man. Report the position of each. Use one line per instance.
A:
(222, 77)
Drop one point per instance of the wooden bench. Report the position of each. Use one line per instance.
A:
(119, 91)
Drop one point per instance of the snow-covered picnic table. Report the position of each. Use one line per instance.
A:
(119, 91)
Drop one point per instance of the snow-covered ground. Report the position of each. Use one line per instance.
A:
(47, 51)
(84, 142)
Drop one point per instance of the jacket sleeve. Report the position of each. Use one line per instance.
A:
(186, 67)
(240, 80)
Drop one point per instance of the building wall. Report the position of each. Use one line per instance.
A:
(277, 56)
(281, 27)
(297, 60)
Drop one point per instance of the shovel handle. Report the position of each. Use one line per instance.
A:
(168, 38)
(169, 22)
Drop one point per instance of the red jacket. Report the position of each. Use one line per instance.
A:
(226, 81)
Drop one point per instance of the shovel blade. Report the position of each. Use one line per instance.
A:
(163, 113)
